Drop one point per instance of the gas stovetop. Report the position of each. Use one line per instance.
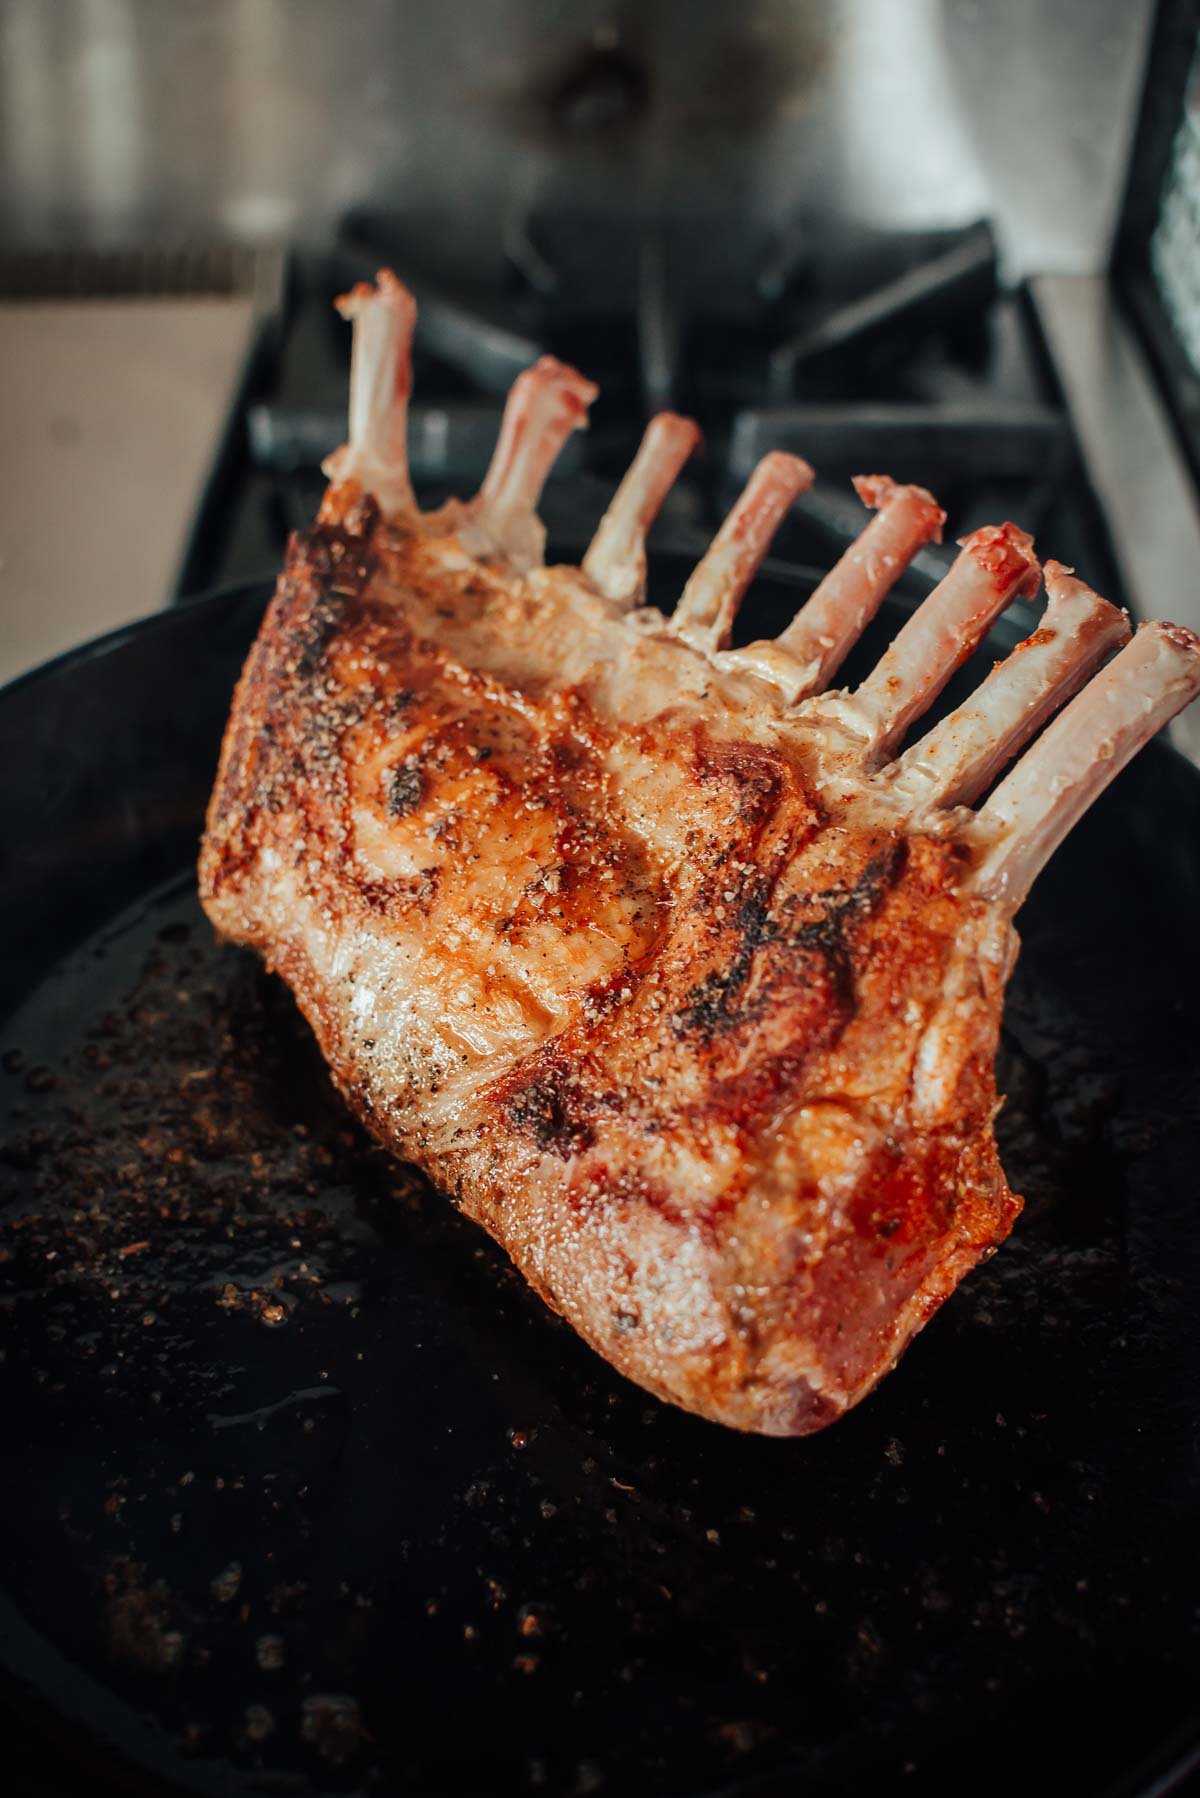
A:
(884, 352)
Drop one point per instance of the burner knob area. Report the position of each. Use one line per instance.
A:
(601, 91)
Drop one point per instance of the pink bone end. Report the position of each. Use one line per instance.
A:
(879, 491)
(962, 755)
(840, 608)
(709, 602)
(545, 404)
(995, 565)
(616, 558)
(376, 453)
(1077, 756)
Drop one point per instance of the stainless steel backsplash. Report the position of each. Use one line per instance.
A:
(256, 121)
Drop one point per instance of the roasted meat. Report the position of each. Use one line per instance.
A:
(658, 956)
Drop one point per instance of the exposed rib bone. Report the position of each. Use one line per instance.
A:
(841, 607)
(1085, 747)
(544, 405)
(962, 755)
(616, 561)
(707, 608)
(996, 564)
(376, 454)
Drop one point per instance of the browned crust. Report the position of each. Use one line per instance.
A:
(733, 1092)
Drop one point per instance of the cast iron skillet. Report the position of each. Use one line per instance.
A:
(304, 1491)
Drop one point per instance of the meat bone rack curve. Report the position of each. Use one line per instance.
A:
(687, 981)
(1112, 715)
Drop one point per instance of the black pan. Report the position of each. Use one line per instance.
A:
(304, 1491)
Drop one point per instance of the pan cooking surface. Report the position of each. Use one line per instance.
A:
(306, 1491)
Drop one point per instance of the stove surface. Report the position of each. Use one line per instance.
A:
(881, 352)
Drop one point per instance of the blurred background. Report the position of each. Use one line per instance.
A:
(953, 241)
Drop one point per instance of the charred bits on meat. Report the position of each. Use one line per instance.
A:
(549, 1112)
(403, 788)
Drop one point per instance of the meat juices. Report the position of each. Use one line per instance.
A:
(658, 956)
